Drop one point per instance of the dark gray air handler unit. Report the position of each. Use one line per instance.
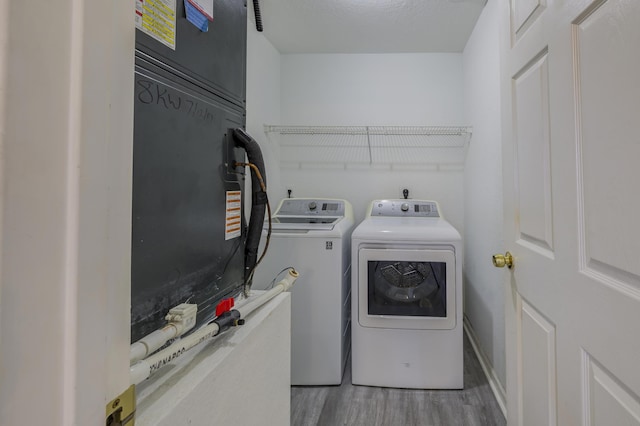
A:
(185, 245)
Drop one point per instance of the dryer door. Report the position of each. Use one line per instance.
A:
(407, 288)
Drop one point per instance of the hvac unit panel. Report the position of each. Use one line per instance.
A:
(180, 251)
(215, 59)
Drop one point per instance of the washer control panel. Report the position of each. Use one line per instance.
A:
(310, 206)
(408, 208)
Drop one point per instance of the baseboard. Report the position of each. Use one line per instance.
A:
(492, 378)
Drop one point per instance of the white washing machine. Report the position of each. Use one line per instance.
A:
(406, 298)
(313, 235)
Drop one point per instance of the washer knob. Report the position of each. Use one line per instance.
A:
(404, 207)
(312, 205)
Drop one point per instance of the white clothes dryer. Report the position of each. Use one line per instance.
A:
(406, 298)
(314, 235)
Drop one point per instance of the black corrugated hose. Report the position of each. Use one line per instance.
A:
(256, 10)
(258, 202)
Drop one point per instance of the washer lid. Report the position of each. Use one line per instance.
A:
(311, 214)
(309, 223)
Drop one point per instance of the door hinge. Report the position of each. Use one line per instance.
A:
(122, 410)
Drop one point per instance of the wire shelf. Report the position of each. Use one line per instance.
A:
(437, 146)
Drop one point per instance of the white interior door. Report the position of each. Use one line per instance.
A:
(572, 199)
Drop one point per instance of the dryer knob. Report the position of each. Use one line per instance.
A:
(312, 205)
(404, 207)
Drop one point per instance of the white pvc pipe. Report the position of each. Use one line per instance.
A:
(283, 285)
(182, 318)
(152, 342)
(144, 368)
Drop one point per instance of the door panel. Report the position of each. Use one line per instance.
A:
(570, 150)
(606, 140)
(538, 366)
(608, 400)
(533, 163)
(525, 12)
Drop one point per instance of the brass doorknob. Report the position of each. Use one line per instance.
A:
(502, 260)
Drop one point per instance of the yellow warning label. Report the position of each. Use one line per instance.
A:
(157, 18)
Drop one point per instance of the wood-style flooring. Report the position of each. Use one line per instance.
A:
(351, 405)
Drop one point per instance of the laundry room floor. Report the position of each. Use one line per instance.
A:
(351, 405)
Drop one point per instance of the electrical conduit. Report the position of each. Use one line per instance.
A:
(258, 201)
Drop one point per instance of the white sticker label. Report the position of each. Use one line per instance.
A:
(157, 18)
(233, 221)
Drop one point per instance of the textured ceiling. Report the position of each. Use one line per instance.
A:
(369, 26)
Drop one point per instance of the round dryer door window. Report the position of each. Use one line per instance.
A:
(406, 288)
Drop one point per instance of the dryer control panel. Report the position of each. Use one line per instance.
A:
(404, 208)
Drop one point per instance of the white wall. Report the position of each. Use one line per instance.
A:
(484, 293)
(374, 89)
(263, 99)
